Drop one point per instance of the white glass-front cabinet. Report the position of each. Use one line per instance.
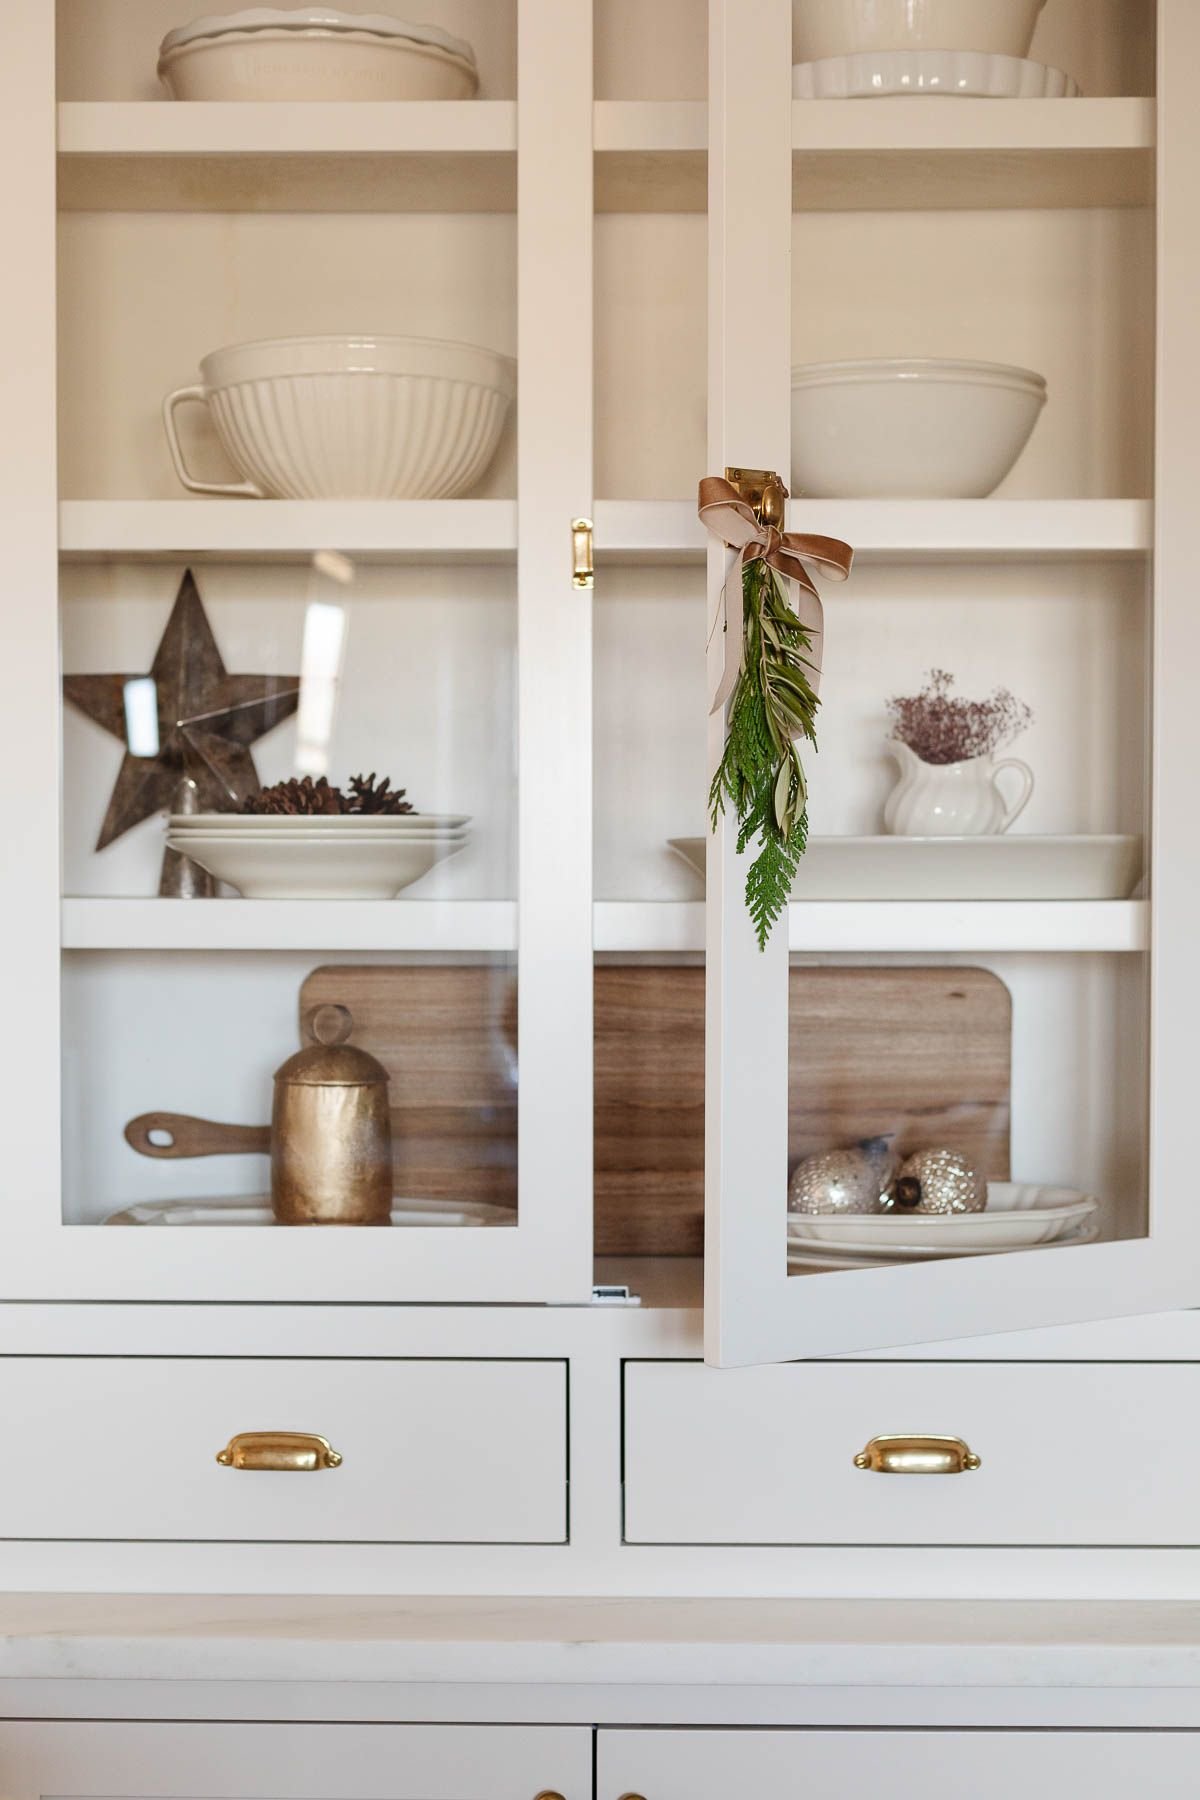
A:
(564, 1076)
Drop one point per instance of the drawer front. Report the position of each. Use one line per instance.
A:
(432, 1451)
(1070, 1454)
(937, 1765)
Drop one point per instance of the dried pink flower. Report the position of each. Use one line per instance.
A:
(939, 727)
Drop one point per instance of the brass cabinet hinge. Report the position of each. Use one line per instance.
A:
(583, 556)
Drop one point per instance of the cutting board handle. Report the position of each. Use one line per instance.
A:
(179, 1135)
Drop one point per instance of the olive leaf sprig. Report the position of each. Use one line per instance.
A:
(773, 706)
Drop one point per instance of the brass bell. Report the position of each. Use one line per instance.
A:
(331, 1131)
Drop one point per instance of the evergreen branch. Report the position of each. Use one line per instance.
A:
(760, 773)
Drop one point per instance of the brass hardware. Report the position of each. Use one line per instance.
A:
(763, 490)
(282, 1452)
(583, 556)
(917, 1456)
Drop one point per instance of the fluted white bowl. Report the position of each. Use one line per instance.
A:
(845, 27)
(351, 418)
(314, 53)
(909, 428)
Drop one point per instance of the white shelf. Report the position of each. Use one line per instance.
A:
(651, 156)
(287, 530)
(621, 927)
(489, 925)
(930, 154)
(627, 531)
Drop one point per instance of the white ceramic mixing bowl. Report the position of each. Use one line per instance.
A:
(912, 428)
(845, 27)
(350, 418)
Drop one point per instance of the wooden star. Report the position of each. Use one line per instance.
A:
(207, 720)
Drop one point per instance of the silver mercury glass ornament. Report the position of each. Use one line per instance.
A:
(843, 1181)
(936, 1181)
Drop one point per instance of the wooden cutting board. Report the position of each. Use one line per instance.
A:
(921, 1053)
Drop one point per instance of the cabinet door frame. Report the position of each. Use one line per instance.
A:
(755, 1312)
(547, 1255)
(200, 1760)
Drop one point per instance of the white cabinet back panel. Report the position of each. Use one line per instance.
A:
(938, 1765)
(433, 1451)
(1072, 1454)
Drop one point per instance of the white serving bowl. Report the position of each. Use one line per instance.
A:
(314, 53)
(845, 27)
(909, 428)
(315, 868)
(350, 418)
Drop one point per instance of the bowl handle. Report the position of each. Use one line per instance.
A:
(170, 406)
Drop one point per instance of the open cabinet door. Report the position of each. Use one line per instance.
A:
(1104, 992)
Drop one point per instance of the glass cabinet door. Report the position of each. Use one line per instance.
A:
(947, 1097)
(321, 675)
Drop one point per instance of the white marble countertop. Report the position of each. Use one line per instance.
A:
(676, 1642)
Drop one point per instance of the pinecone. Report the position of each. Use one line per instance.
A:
(297, 797)
(365, 797)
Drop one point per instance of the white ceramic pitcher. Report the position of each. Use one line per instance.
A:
(960, 799)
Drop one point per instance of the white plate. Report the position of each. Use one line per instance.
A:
(255, 1209)
(321, 868)
(870, 75)
(812, 1258)
(341, 840)
(429, 823)
(1021, 867)
(1018, 1213)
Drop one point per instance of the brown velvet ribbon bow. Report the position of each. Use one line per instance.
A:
(733, 520)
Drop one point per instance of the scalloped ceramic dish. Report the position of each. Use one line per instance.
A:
(967, 74)
(315, 53)
(1019, 1214)
(812, 1257)
(256, 1210)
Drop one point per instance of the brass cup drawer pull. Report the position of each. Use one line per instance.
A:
(917, 1456)
(280, 1452)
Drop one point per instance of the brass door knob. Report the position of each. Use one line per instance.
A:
(917, 1456)
(279, 1452)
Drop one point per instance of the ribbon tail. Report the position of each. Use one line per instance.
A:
(734, 636)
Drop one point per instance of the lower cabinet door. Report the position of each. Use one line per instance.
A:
(200, 1761)
(909, 1765)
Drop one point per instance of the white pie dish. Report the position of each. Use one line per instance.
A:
(1023, 867)
(314, 53)
(1019, 1214)
(354, 417)
(318, 867)
(810, 1256)
(909, 428)
(255, 1209)
(843, 27)
(969, 74)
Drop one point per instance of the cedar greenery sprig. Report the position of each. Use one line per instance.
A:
(772, 707)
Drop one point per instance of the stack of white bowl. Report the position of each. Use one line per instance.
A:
(865, 49)
(301, 856)
(314, 53)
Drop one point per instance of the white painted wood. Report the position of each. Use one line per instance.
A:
(634, 926)
(708, 1765)
(897, 125)
(638, 531)
(433, 1452)
(554, 764)
(292, 1762)
(279, 128)
(765, 1456)
(287, 530)
(749, 312)
(321, 925)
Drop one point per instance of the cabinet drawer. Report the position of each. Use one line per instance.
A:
(432, 1451)
(1087, 1454)
(937, 1765)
